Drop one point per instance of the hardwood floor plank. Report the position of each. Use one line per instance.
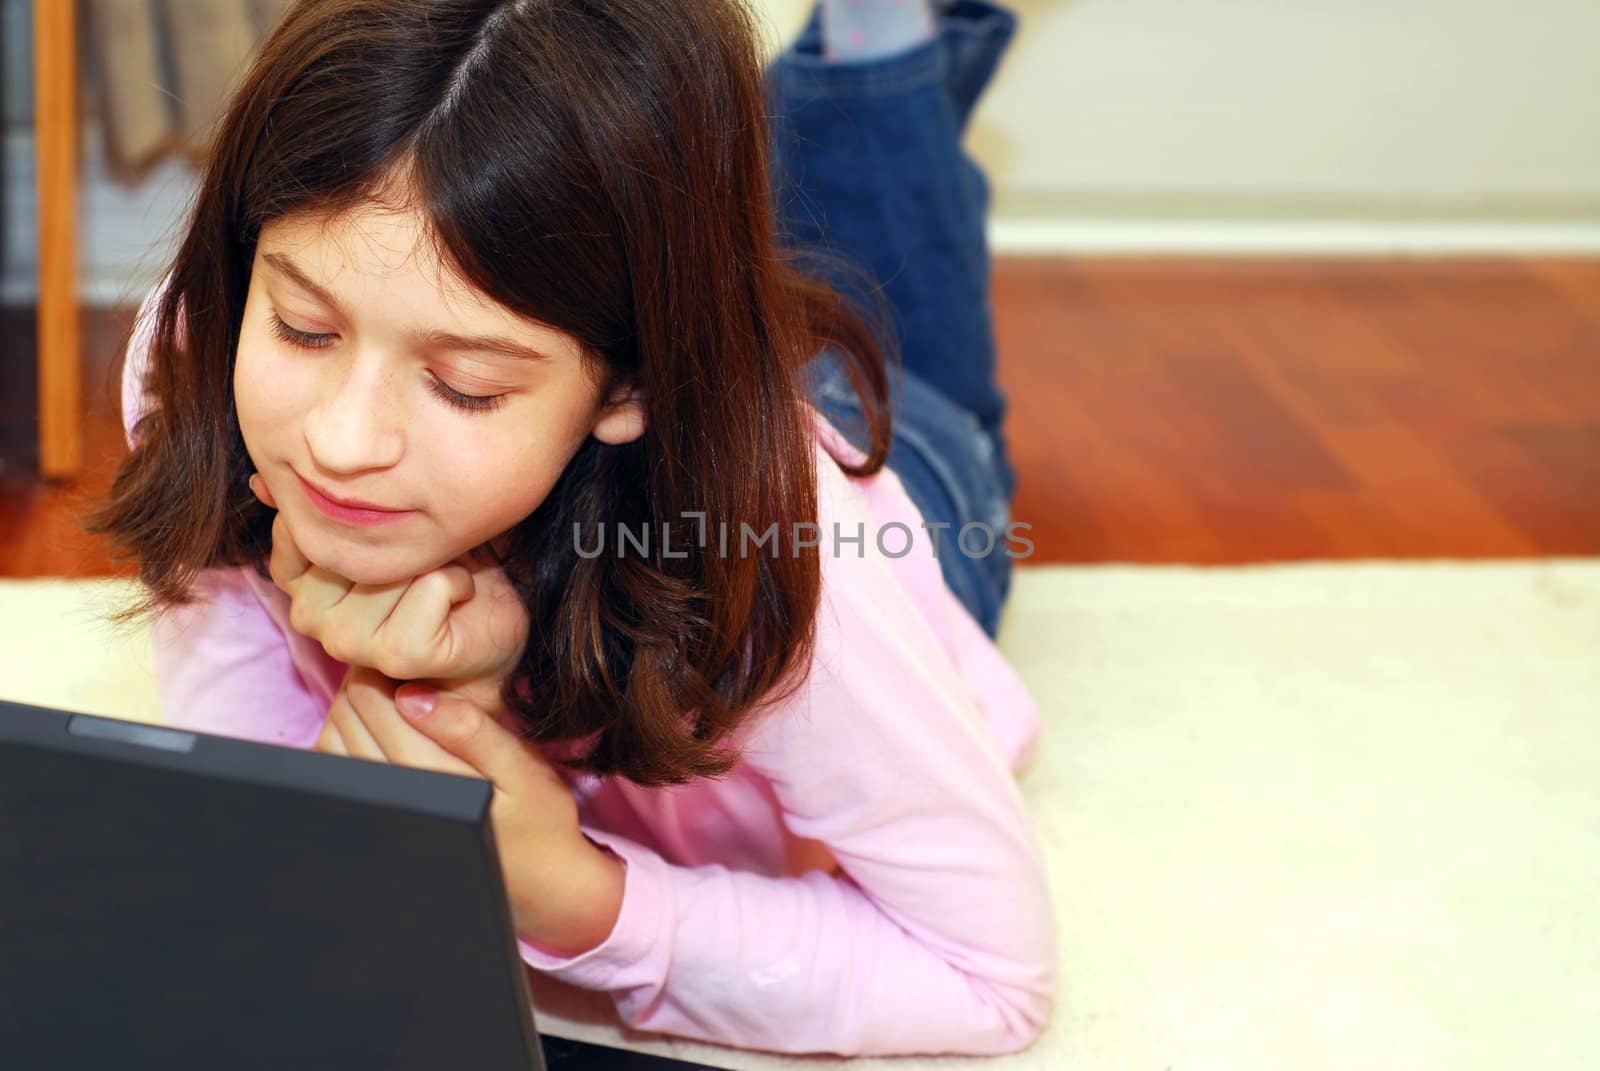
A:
(1177, 409)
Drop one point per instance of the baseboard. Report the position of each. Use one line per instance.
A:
(108, 285)
(1291, 237)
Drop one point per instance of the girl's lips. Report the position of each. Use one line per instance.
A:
(350, 514)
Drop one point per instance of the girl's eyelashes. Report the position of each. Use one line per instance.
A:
(472, 403)
(303, 339)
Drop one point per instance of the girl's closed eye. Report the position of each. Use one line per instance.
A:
(296, 337)
(472, 403)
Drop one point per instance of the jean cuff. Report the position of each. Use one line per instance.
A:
(805, 73)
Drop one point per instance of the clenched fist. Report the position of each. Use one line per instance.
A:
(461, 626)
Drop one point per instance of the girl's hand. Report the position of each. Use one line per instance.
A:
(462, 625)
(565, 892)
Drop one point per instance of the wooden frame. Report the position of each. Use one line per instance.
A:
(55, 95)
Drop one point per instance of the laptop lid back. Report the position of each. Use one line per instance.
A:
(174, 899)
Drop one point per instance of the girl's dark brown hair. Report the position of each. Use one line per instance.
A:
(600, 166)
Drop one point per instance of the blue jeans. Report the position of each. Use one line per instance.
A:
(867, 162)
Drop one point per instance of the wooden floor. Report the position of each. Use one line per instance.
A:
(1183, 410)
(1269, 410)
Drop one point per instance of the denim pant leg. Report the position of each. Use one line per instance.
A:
(949, 470)
(867, 162)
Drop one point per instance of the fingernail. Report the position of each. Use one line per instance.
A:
(416, 703)
(258, 487)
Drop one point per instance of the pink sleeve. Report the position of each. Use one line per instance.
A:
(1010, 712)
(222, 663)
(135, 402)
(942, 937)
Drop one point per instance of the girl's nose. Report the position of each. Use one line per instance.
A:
(356, 425)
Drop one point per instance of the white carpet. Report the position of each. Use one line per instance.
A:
(1316, 816)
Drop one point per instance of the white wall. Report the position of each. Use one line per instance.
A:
(1187, 125)
(126, 234)
(1286, 114)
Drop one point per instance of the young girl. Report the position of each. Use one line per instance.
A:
(473, 287)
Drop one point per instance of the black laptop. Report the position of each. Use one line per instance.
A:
(175, 900)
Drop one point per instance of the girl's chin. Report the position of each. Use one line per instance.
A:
(373, 566)
(379, 579)
(369, 567)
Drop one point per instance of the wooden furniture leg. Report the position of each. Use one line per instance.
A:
(56, 132)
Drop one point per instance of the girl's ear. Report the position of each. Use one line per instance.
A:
(622, 418)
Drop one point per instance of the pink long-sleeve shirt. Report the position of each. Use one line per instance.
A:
(936, 933)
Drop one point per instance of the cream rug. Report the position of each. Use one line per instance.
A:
(1313, 816)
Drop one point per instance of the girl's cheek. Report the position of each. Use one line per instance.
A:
(266, 391)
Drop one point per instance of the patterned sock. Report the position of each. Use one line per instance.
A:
(866, 29)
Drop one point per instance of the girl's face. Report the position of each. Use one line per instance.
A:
(369, 373)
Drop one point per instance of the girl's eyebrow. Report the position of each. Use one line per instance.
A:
(430, 339)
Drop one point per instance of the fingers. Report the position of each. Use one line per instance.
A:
(329, 742)
(345, 618)
(416, 637)
(460, 622)
(258, 487)
(352, 729)
(370, 702)
(320, 605)
(287, 563)
(463, 729)
(406, 630)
